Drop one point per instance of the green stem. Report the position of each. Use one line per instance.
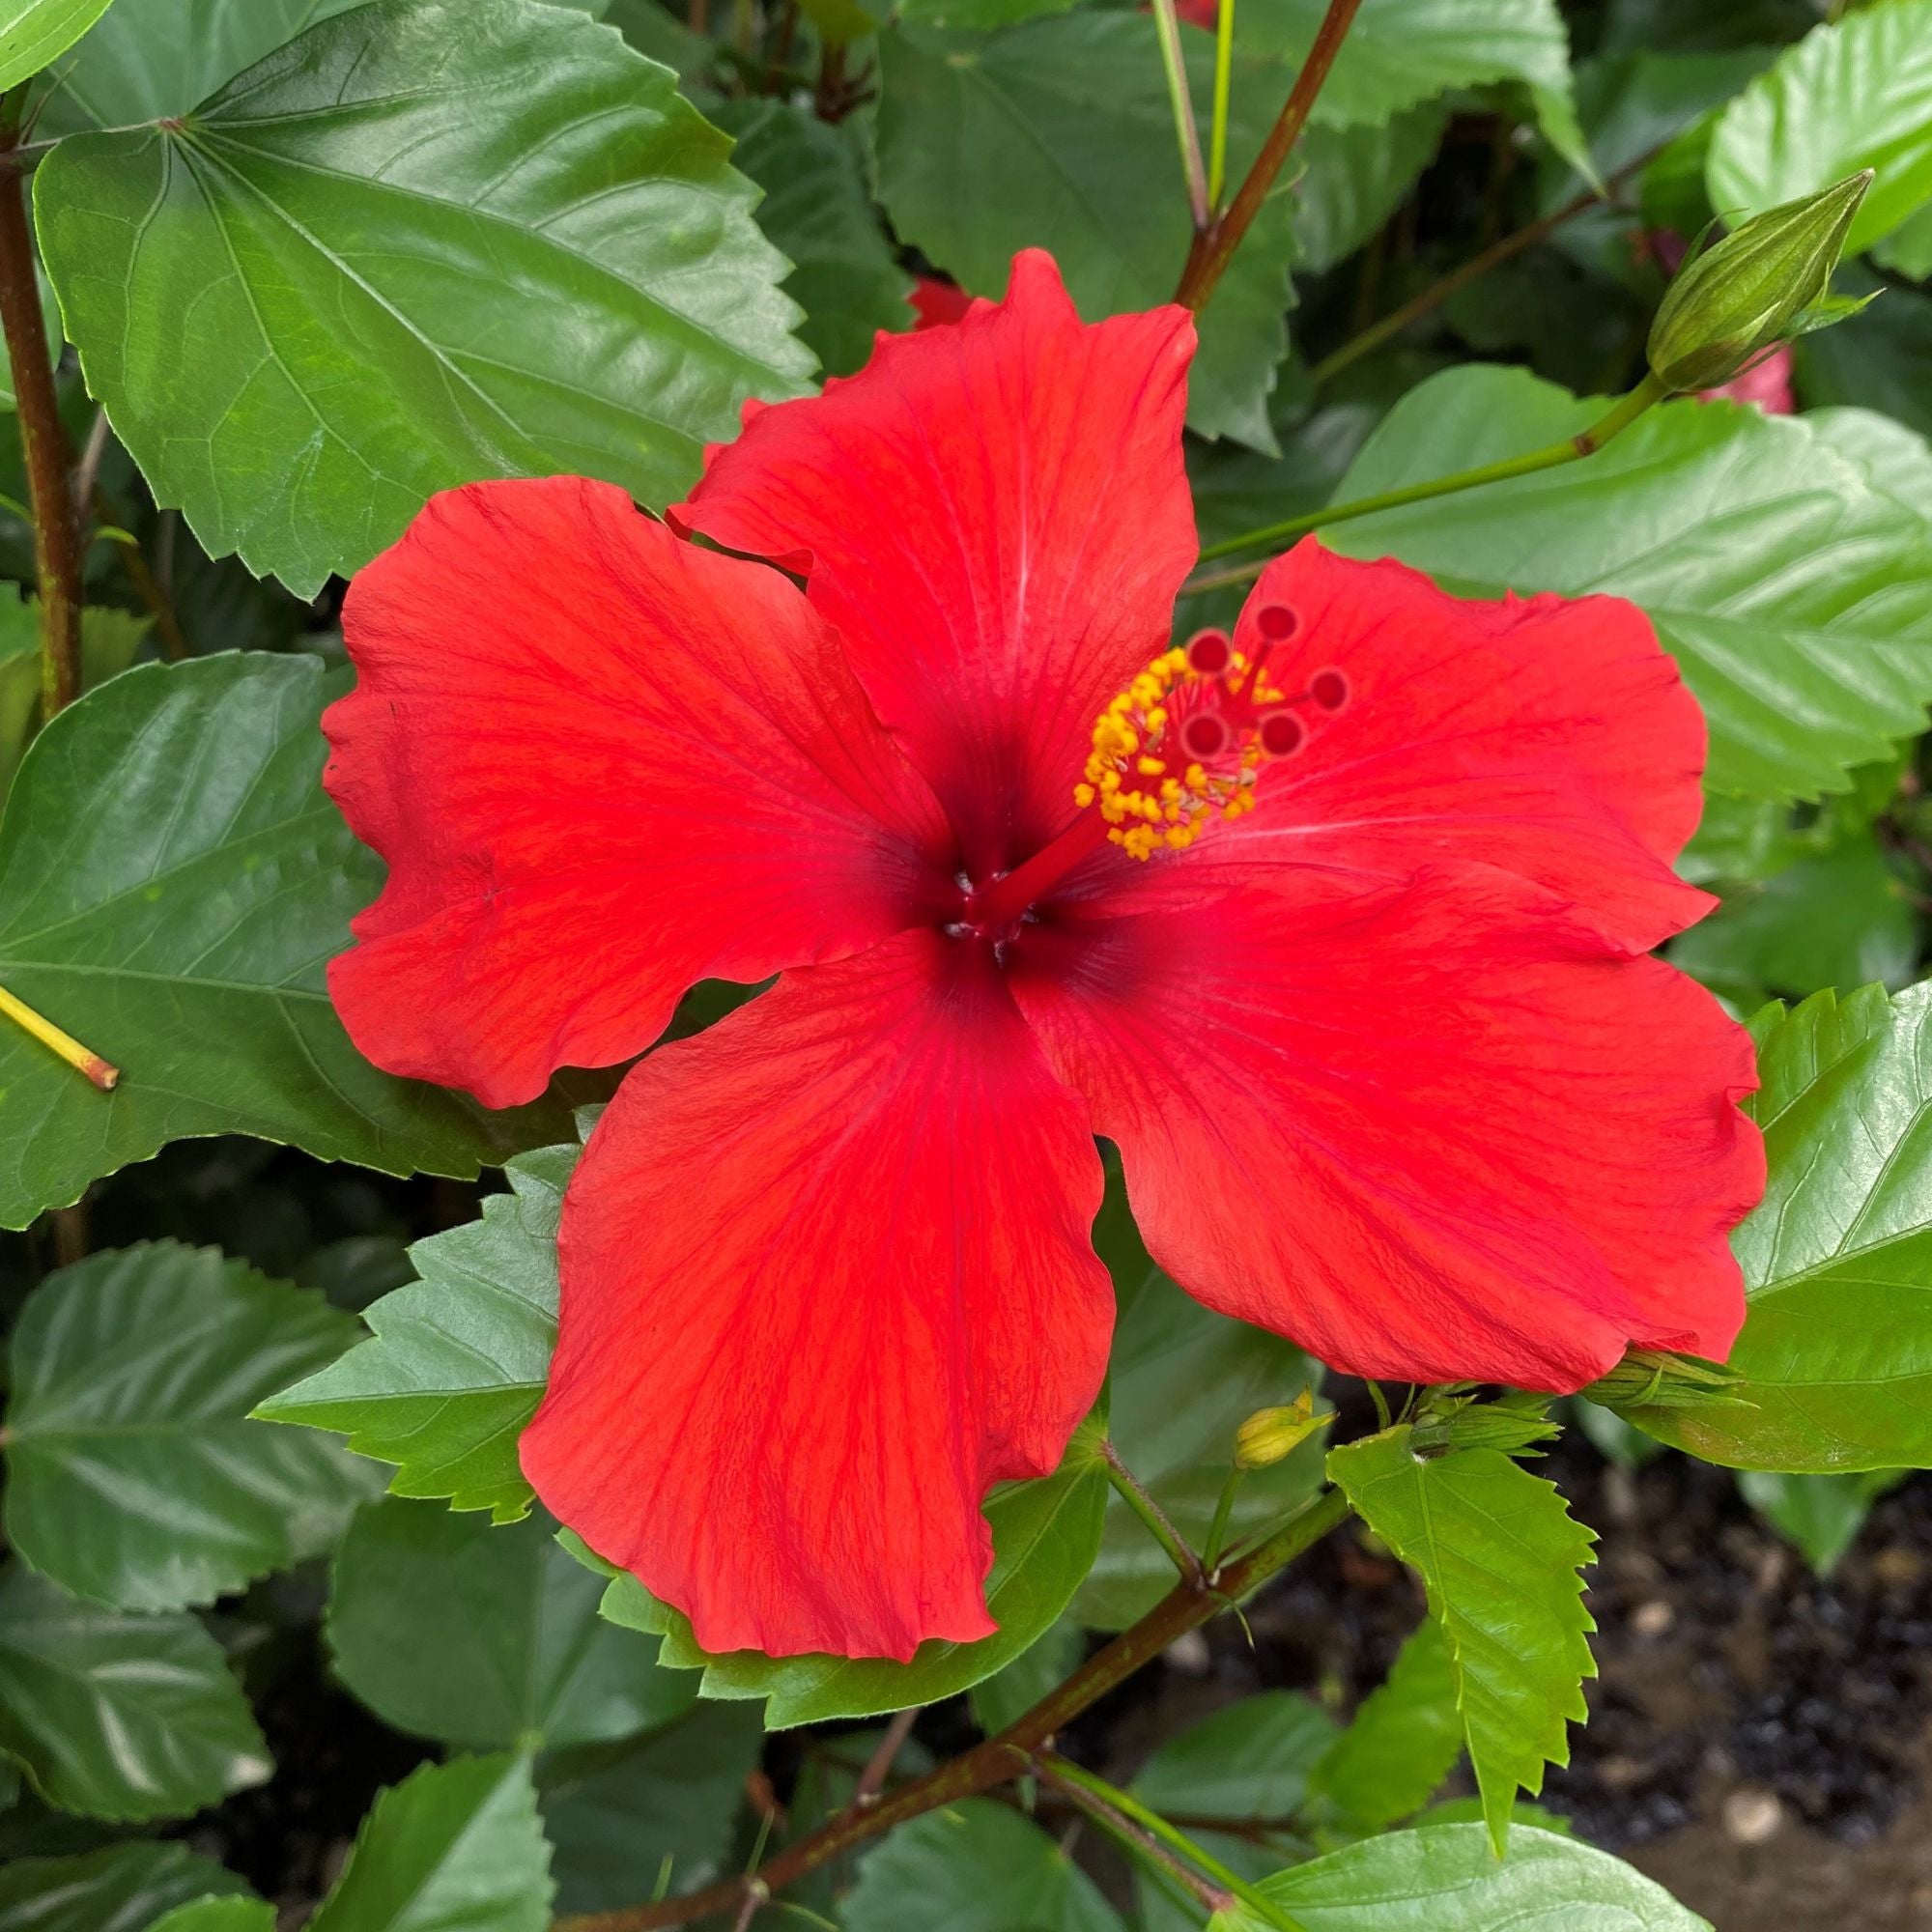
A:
(1138, 1842)
(999, 1758)
(1156, 1827)
(1217, 1530)
(1167, 31)
(1215, 245)
(1572, 449)
(1150, 1512)
(1224, 73)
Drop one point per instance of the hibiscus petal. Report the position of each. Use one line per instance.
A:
(996, 516)
(827, 1276)
(1429, 1131)
(1553, 737)
(602, 764)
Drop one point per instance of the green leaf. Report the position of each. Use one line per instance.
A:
(1834, 1364)
(1907, 249)
(219, 1915)
(134, 1476)
(456, 1845)
(1821, 1515)
(1795, 598)
(1404, 1742)
(1044, 1535)
(1876, 360)
(1354, 177)
(139, 64)
(528, 1662)
(173, 881)
(1016, 1688)
(1444, 1878)
(115, 1715)
(1182, 1380)
(817, 211)
(1856, 94)
(1059, 134)
(974, 1867)
(1894, 457)
(1499, 1553)
(108, 641)
(433, 240)
(1248, 1760)
(618, 1816)
(1840, 919)
(34, 33)
(118, 1889)
(459, 1360)
(1402, 52)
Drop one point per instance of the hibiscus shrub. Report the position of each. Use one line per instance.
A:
(843, 848)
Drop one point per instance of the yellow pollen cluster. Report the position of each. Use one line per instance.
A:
(1152, 800)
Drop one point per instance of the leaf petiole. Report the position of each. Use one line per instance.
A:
(83, 1059)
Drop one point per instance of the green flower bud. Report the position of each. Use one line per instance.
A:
(1764, 283)
(1269, 1433)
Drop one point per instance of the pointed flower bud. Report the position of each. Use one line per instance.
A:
(1765, 282)
(1269, 1433)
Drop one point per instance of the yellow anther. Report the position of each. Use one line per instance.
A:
(1149, 768)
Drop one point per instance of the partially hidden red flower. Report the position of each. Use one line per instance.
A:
(1336, 927)
(1767, 383)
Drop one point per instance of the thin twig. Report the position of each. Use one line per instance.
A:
(1142, 1844)
(88, 468)
(879, 1765)
(1208, 259)
(1180, 97)
(1159, 1526)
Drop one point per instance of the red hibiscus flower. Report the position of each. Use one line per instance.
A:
(1336, 927)
(936, 303)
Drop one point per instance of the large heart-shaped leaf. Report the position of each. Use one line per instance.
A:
(173, 882)
(1855, 93)
(119, 1717)
(1444, 1878)
(134, 1476)
(1499, 1554)
(1795, 596)
(456, 1844)
(430, 240)
(1834, 1364)
(459, 1360)
(1045, 1536)
(1059, 134)
(526, 1662)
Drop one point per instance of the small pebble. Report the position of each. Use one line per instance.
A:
(1652, 1619)
(1752, 1816)
(1189, 1653)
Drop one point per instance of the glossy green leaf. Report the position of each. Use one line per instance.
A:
(1822, 1514)
(459, 1360)
(818, 212)
(35, 33)
(621, 1817)
(219, 1915)
(149, 58)
(1876, 360)
(1840, 919)
(1248, 1760)
(1182, 1380)
(1059, 134)
(117, 1889)
(527, 1661)
(134, 1476)
(173, 882)
(116, 1716)
(1499, 1554)
(108, 641)
(1045, 1536)
(974, 1867)
(1907, 249)
(455, 1845)
(1835, 1358)
(1795, 598)
(1445, 1878)
(1401, 52)
(433, 240)
(1894, 457)
(1855, 93)
(1404, 1742)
